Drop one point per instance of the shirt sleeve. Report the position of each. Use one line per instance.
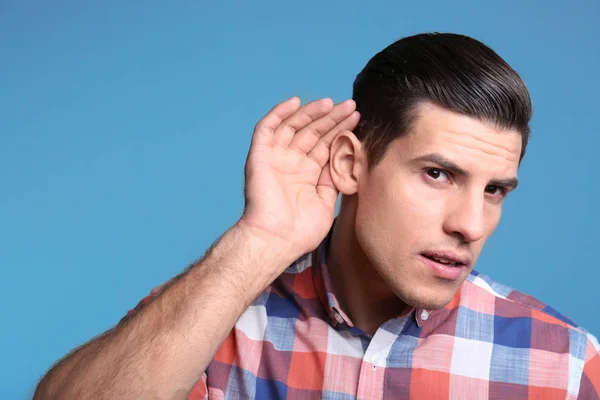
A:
(589, 387)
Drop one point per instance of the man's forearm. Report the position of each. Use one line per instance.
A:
(164, 349)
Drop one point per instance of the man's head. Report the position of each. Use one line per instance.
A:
(444, 126)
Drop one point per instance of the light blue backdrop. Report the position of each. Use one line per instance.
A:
(124, 127)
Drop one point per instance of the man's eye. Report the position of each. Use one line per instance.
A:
(495, 190)
(437, 174)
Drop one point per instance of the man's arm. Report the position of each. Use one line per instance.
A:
(163, 350)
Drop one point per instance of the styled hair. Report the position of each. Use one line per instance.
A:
(450, 70)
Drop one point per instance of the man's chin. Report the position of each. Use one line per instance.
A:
(433, 302)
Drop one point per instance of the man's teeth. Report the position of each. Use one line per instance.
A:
(444, 261)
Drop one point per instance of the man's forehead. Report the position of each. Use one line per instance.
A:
(439, 129)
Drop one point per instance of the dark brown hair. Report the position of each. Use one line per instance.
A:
(451, 70)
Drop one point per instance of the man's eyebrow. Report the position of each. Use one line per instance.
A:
(443, 162)
(510, 183)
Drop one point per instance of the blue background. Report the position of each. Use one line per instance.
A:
(124, 128)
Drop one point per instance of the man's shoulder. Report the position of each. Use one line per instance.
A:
(515, 312)
(500, 293)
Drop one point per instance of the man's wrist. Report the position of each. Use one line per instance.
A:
(275, 252)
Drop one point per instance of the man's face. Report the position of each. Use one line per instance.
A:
(437, 194)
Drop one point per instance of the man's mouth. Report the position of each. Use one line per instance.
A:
(447, 258)
(442, 261)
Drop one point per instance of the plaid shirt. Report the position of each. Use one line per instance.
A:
(490, 341)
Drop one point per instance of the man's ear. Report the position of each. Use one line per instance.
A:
(347, 162)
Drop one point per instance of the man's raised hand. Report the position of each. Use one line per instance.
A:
(290, 197)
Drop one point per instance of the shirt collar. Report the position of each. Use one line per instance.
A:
(324, 289)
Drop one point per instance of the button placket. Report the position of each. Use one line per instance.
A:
(372, 376)
(375, 362)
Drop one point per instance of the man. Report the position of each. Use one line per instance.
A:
(381, 301)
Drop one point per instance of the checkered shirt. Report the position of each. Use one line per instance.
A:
(294, 342)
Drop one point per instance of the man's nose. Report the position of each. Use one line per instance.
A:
(466, 218)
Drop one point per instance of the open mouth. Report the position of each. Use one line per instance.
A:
(446, 264)
(443, 260)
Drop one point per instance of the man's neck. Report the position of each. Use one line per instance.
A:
(360, 290)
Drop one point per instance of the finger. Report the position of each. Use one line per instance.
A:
(264, 129)
(305, 115)
(326, 188)
(320, 153)
(306, 138)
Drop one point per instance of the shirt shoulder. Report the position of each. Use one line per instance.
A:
(524, 324)
(527, 319)
(510, 301)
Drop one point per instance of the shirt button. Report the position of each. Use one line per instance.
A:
(424, 315)
(375, 361)
(339, 318)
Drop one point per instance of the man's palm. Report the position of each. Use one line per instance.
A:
(289, 191)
